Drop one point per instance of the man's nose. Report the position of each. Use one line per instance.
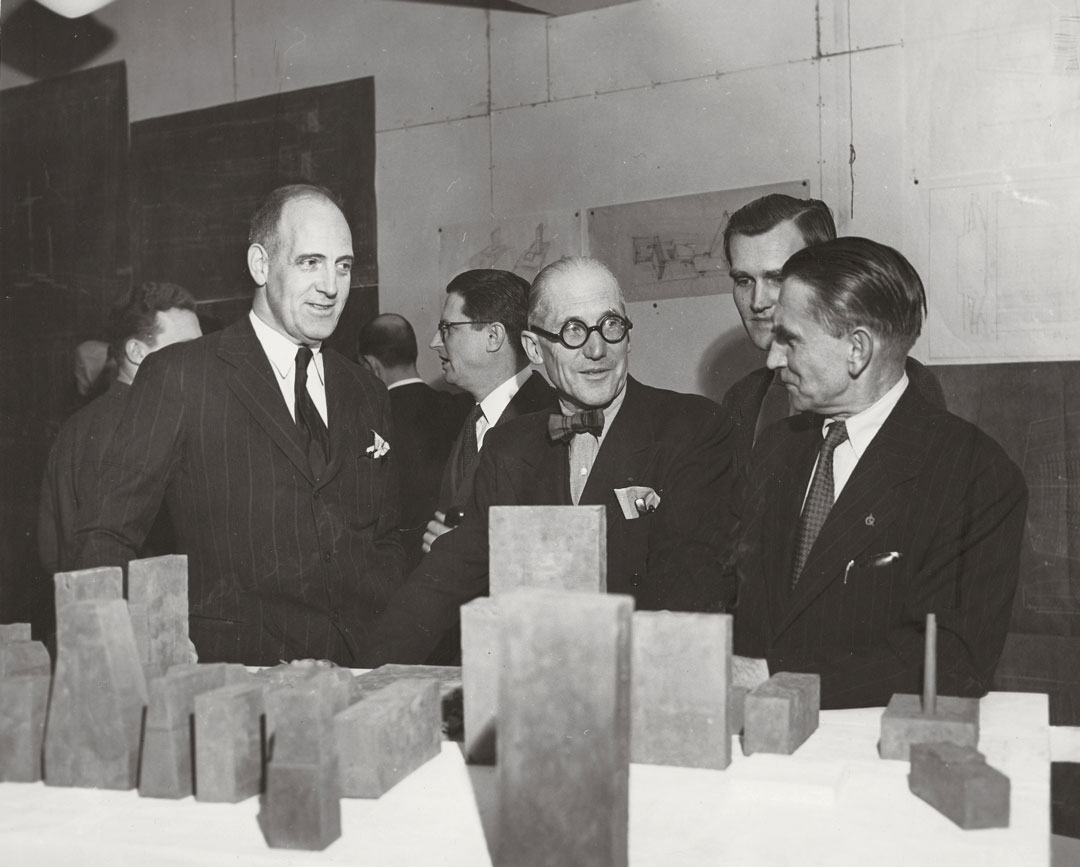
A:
(328, 281)
(762, 298)
(595, 347)
(436, 340)
(777, 357)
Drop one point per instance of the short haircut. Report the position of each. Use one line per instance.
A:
(135, 315)
(491, 295)
(390, 338)
(812, 217)
(539, 306)
(856, 282)
(264, 223)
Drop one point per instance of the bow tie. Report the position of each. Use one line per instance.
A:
(562, 428)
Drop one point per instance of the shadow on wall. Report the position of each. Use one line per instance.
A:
(726, 360)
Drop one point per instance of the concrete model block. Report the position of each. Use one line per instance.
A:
(780, 714)
(554, 547)
(681, 670)
(167, 769)
(14, 632)
(448, 678)
(301, 808)
(24, 657)
(957, 782)
(736, 708)
(158, 596)
(105, 582)
(480, 677)
(228, 743)
(564, 729)
(905, 722)
(98, 695)
(386, 736)
(23, 701)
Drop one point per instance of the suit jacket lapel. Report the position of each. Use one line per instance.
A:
(866, 504)
(252, 381)
(341, 432)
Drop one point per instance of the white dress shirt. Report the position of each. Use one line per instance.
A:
(282, 354)
(494, 405)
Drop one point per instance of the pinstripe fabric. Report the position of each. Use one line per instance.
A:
(279, 567)
(930, 486)
(677, 444)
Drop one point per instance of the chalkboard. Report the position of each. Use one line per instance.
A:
(1033, 411)
(197, 178)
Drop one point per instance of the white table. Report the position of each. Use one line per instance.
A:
(834, 802)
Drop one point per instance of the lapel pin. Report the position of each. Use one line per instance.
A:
(870, 520)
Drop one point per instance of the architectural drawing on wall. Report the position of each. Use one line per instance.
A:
(533, 259)
(1004, 270)
(522, 244)
(671, 254)
(672, 248)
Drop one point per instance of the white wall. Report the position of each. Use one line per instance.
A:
(507, 113)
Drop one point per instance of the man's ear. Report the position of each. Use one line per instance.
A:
(861, 352)
(258, 260)
(496, 337)
(532, 347)
(135, 350)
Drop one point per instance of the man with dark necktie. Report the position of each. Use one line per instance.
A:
(478, 341)
(274, 455)
(872, 507)
(758, 239)
(658, 462)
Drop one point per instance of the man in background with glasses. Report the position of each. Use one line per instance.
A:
(658, 461)
(478, 341)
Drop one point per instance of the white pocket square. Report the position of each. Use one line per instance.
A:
(637, 501)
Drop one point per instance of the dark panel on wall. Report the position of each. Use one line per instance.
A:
(63, 197)
(1033, 411)
(197, 177)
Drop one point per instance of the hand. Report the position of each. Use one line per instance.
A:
(748, 672)
(435, 528)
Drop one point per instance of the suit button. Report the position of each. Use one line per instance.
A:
(327, 556)
(335, 616)
(315, 495)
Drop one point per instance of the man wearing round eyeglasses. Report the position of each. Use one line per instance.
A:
(658, 461)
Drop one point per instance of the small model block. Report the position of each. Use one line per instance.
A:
(736, 708)
(168, 769)
(904, 723)
(447, 676)
(228, 743)
(14, 632)
(480, 677)
(105, 582)
(23, 701)
(681, 670)
(386, 736)
(98, 695)
(564, 729)
(337, 683)
(780, 714)
(24, 657)
(302, 805)
(158, 592)
(958, 783)
(553, 547)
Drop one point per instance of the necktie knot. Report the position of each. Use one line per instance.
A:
(563, 428)
(836, 434)
(303, 358)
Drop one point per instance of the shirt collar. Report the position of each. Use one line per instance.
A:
(410, 381)
(281, 351)
(863, 426)
(495, 403)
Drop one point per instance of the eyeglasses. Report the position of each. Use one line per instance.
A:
(444, 326)
(574, 334)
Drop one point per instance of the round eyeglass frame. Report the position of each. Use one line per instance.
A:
(624, 326)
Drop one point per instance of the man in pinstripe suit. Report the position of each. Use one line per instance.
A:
(271, 454)
(916, 509)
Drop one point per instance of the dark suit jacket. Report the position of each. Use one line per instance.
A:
(426, 421)
(71, 477)
(930, 486)
(677, 444)
(744, 399)
(281, 565)
(534, 396)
